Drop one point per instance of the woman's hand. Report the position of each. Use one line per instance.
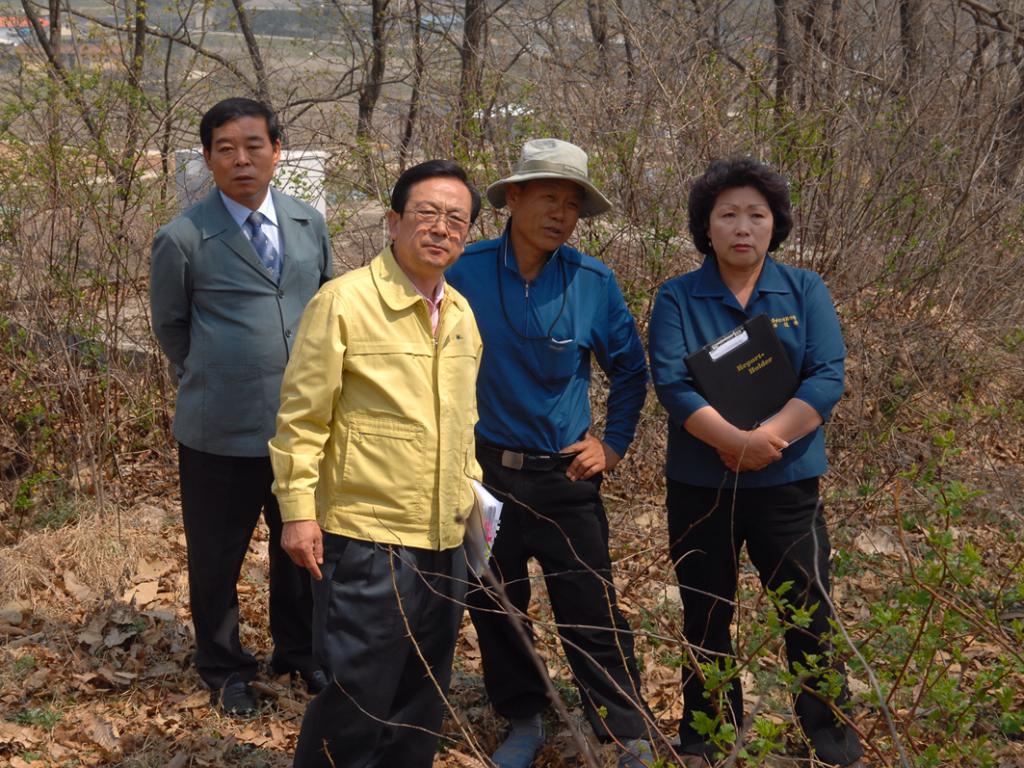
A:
(760, 448)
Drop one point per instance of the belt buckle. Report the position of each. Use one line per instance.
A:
(511, 460)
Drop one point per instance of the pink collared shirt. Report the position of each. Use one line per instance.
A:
(433, 304)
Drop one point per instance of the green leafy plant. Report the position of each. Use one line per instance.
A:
(42, 717)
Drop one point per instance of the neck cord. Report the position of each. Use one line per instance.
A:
(502, 255)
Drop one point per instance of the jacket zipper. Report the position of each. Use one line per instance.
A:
(526, 308)
(436, 524)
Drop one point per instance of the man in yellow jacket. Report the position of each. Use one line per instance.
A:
(373, 463)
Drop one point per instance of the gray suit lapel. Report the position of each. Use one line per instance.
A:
(289, 218)
(217, 222)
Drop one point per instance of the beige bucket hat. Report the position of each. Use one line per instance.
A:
(552, 159)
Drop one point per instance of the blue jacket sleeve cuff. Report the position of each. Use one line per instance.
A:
(822, 399)
(617, 444)
(688, 403)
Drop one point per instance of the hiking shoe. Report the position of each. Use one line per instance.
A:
(520, 746)
(237, 700)
(636, 754)
(836, 746)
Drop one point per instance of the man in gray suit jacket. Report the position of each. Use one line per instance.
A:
(228, 282)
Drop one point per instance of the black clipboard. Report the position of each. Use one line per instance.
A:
(745, 375)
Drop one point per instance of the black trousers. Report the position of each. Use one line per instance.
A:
(563, 524)
(787, 540)
(385, 622)
(221, 501)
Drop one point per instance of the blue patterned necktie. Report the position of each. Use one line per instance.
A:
(261, 243)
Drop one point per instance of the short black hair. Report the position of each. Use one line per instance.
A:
(729, 174)
(432, 169)
(231, 109)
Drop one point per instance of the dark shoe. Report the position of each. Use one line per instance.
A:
(700, 751)
(837, 746)
(520, 746)
(636, 754)
(316, 681)
(237, 699)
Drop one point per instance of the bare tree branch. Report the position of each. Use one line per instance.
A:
(183, 40)
(253, 47)
(70, 88)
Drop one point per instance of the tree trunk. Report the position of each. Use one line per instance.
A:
(807, 16)
(911, 41)
(783, 57)
(597, 14)
(55, 26)
(417, 79)
(53, 134)
(833, 46)
(1009, 144)
(471, 78)
(253, 47)
(630, 51)
(369, 91)
(135, 99)
(1011, 133)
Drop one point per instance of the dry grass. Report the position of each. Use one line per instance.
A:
(101, 562)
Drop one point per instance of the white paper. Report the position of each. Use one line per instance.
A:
(482, 528)
(728, 345)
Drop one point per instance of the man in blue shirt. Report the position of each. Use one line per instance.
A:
(544, 310)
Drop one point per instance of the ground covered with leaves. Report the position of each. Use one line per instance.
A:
(95, 637)
(924, 505)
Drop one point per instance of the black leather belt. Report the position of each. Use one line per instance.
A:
(520, 460)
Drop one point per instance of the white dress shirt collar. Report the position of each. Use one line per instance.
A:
(241, 212)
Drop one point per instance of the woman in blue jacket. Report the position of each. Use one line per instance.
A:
(729, 486)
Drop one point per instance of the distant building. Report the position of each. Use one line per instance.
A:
(300, 173)
(16, 29)
(445, 22)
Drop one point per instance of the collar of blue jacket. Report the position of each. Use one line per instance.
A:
(539, 338)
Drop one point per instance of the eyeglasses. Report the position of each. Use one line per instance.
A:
(455, 221)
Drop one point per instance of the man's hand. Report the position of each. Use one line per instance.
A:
(592, 456)
(304, 542)
(760, 449)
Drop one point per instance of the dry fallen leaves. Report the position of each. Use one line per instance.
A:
(142, 594)
(74, 587)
